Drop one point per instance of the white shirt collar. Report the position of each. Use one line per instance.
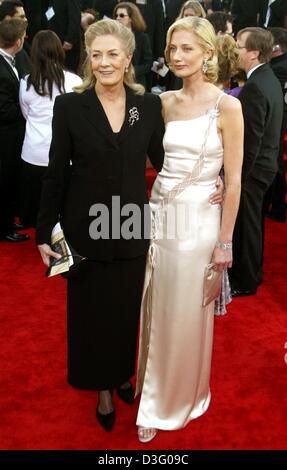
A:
(252, 70)
(10, 60)
(7, 55)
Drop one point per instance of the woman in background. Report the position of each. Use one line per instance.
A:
(191, 8)
(228, 61)
(38, 92)
(130, 16)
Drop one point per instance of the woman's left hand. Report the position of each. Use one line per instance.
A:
(222, 259)
(217, 196)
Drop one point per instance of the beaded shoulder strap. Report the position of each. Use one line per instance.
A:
(194, 175)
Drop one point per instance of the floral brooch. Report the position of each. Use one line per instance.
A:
(134, 115)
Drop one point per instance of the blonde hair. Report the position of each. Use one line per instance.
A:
(138, 22)
(116, 29)
(228, 58)
(195, 6)
(206, 37)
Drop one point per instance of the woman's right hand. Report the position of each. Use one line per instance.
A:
(46, 252)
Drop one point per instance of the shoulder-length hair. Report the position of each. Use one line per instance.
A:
(47, 57)
(228, 58)
(206, 37)
(138, 23)
(126, 36)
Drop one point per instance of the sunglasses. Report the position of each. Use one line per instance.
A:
(120, 15)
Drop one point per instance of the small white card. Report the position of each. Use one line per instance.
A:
(141, 2)
(162, 71)
(50, 13)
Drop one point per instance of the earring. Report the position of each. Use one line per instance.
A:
(126, 70)
(205, 66)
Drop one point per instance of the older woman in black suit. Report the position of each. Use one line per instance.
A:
(106, 129)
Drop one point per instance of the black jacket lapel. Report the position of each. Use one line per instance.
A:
(96, 115)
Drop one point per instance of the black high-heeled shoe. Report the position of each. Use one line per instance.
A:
(126, 394)
(107, 421)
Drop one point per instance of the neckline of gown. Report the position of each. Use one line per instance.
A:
(193, 119)
(199, 117)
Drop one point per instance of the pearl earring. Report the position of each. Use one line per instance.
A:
(205, 66)
(126, 70)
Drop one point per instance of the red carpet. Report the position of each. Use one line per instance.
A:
(40, 411)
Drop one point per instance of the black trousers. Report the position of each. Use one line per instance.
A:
(31, 186)
(104, 302)
(246, 272)
(10, 169)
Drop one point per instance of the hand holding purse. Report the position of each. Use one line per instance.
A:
(211, 284)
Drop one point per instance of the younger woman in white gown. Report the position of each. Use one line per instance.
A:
(204, 130)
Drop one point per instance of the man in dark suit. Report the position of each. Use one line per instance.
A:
(15, 9)
(12, 125)
(262, 107)
(275, 196)
(244, 13)
(273, 13)
(64, 18)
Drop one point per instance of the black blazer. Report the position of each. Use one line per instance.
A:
(103, 166)
(12, 123)
(262, 106)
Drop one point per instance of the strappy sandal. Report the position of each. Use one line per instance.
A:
(146, 434)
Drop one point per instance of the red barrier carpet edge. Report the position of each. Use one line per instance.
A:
(40, 411)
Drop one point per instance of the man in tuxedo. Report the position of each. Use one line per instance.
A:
(245, 13)
(15, 9)
(262, 106)
(273, 13)
(12, 125)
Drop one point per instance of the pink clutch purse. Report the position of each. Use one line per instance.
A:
(211, 284)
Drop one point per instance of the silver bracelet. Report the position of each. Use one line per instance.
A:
(224, 246)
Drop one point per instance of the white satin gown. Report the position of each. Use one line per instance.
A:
(176, 333)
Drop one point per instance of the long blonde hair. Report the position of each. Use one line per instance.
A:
(116, 29)
(206, 38)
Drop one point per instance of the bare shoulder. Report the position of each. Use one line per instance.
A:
(168, 99)
(229, 104)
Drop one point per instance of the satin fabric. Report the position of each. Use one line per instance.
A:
(176, 331)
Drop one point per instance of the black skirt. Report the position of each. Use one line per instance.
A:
(104, 302)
